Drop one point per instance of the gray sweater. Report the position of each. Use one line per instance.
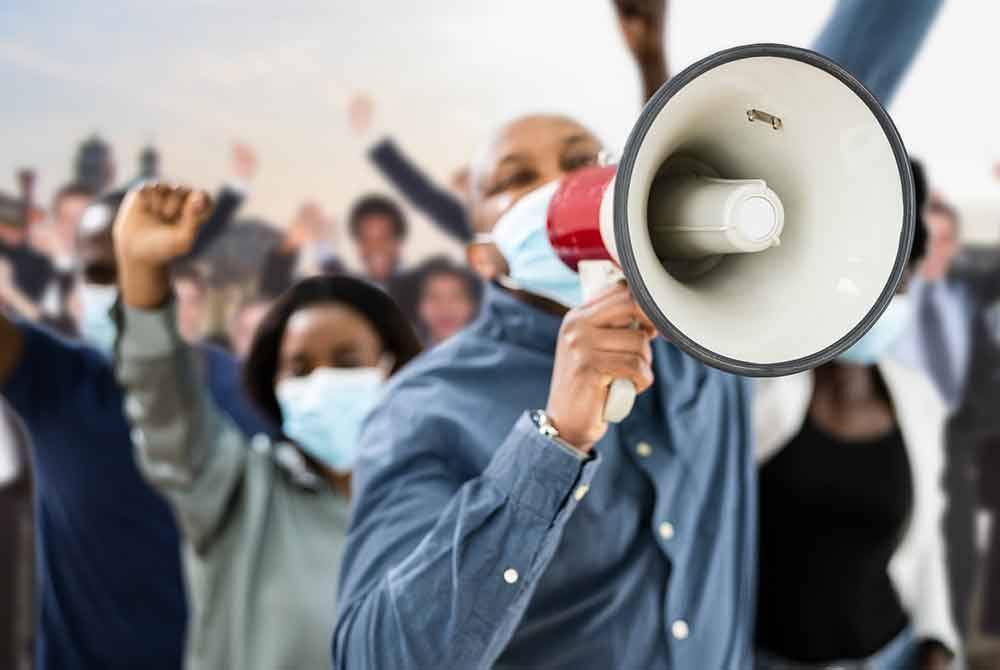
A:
(262, 534)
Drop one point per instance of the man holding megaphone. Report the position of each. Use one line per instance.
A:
(556, 486)
(501, 521)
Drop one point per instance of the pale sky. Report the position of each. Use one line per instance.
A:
(193, 75)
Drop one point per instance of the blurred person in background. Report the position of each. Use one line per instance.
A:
(308, 248)
(851, 555)
(30, 270)
(448, 299)
(244, 323)
(446, 209)
(378, 228)
(107, 561)
(954, 342)
(263, 527)
(190, 289)
(488, 532)
(67, 207)
(17, 610)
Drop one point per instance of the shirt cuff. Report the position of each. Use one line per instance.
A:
(149, 333)
(538, 473)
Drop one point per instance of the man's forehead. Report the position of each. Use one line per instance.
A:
(535, 132)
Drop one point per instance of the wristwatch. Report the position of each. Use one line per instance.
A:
(544, 424)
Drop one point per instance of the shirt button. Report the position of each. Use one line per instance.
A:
(133, 408)
(667, 531)
(643, 449)
(510, 575)
(580, 491)
(138, 437)
(680, 629)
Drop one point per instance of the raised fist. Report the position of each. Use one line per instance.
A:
(158, 223)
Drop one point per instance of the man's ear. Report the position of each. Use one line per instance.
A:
(485, 260)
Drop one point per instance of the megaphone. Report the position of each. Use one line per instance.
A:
(762, 213)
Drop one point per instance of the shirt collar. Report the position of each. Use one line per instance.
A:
(504, 316)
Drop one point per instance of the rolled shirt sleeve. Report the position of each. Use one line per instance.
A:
(474, 547)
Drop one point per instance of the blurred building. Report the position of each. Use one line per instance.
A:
(94, 165)
(15, 210)
(149, 163)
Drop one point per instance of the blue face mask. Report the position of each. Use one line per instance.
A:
(877, 342)
(323, 411)
(522, 238)
(96, 325)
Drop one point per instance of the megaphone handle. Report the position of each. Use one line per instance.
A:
(597, 276)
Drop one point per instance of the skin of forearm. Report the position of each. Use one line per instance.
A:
(654, 75)
(143, 286)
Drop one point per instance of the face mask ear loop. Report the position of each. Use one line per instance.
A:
(385, 364)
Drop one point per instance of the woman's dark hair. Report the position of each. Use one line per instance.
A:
(376, 205)
(261, 366)
(919, 247)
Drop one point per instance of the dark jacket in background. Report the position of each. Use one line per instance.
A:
(17, 595)
(32, 270)
(443, 209)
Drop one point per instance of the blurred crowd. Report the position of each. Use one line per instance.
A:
(187, 477)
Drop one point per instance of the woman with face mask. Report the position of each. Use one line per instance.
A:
(263, 521)
(852, 570)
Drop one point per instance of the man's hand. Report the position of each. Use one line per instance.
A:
(244, 161)
(596, 346)
(360, 112)
(155, 224)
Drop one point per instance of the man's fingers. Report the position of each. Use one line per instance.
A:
(172, 202)
(194, 211)
(157, 196)
(620, 340)
(613, 365)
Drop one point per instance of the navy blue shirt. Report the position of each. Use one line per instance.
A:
(108, 563)
(475, 542)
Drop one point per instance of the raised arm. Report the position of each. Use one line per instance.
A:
(445, 210)
(643, 23)
(227, 203)
(185, 447)
(877, 41)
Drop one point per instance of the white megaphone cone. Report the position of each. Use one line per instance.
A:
(761, 214)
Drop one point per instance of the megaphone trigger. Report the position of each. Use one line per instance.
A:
(597, 277)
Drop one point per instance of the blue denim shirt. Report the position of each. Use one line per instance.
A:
(476, 542)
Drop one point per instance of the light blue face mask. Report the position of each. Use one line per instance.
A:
(521, 236)
(878, 341)
(96, 325)
(323, 411)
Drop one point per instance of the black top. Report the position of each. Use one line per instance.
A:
(32, 271)
(442, 208)
(831, 516)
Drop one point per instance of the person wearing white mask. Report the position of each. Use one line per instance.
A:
(852, 564)
(263, 521)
